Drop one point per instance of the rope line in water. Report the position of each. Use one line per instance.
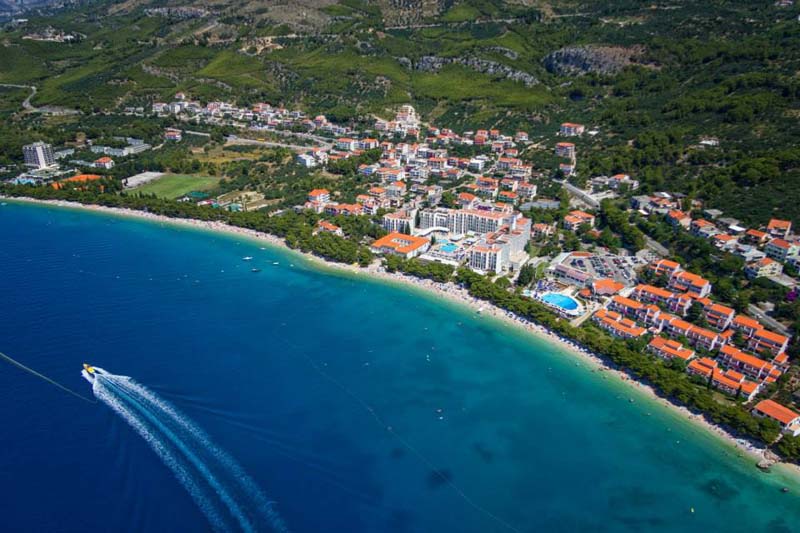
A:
(47, 379)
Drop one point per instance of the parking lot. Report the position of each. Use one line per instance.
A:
(617, 267)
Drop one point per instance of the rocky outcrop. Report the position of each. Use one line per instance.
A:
(508, 52)
(591, 59)
(485, 66)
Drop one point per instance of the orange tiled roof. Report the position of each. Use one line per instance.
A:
(779, 224)
(400, 242)
(772, 409)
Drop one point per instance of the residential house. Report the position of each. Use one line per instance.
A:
(755, 236)
(568, 169)
(785, 417)
(763, 268)
(651, 294)
(669, 349)
(703, 367)
(368, 144)
(745, 325)
(564, 149)
(344, 209)
(526, 190)
(346, 144)
(541, 230)
(702, 228)
(697, 336)
(719, 316)
(306, 160)
(779, 228)
(747, 364)
(576, 219)
(690, 283)
(104, 162)
(625, 306)
(664, 268)
(619, 327)
(321, 196)
(765, 340)
(734, 384)
(780, 249)
(570, 129)
(323, 226)
(679, 219)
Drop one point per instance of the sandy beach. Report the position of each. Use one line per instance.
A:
(595, 362)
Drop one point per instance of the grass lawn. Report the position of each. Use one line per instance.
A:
(176, 185)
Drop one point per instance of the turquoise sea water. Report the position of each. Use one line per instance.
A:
(355, 406)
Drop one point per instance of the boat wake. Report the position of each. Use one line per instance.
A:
(227, 496)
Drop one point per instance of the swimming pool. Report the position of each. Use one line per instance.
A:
(567, 303)
(449, 247)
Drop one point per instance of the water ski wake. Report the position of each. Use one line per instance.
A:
(227, 496)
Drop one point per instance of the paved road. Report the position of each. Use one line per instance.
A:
(582, 195)
(295, 147)
(656, 246)
(26, 104)
(324, 141)
(767, 320)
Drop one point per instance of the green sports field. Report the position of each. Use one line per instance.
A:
(176, 185)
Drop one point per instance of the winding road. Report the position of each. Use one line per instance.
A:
(26, 104)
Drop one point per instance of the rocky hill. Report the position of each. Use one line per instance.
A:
(592, 59)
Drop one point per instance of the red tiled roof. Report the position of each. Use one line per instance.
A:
(774, 410)
(746, 321)
(400, 242)
(606, 286)
(770, 336)
(744, 358)
(779, 224)
(780, 243)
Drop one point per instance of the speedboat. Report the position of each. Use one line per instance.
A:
(89, 372)
(255, 270)
(247, 258)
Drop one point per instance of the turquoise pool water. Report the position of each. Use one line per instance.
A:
(564, 302)
(449, 247)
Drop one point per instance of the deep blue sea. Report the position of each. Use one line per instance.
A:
(354, 405)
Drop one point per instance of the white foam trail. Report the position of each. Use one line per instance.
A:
(244, 480)
(193, 445)
(166, 456)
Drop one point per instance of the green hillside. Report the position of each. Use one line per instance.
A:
(654, 78)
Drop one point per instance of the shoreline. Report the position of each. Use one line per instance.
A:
(457, 296)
